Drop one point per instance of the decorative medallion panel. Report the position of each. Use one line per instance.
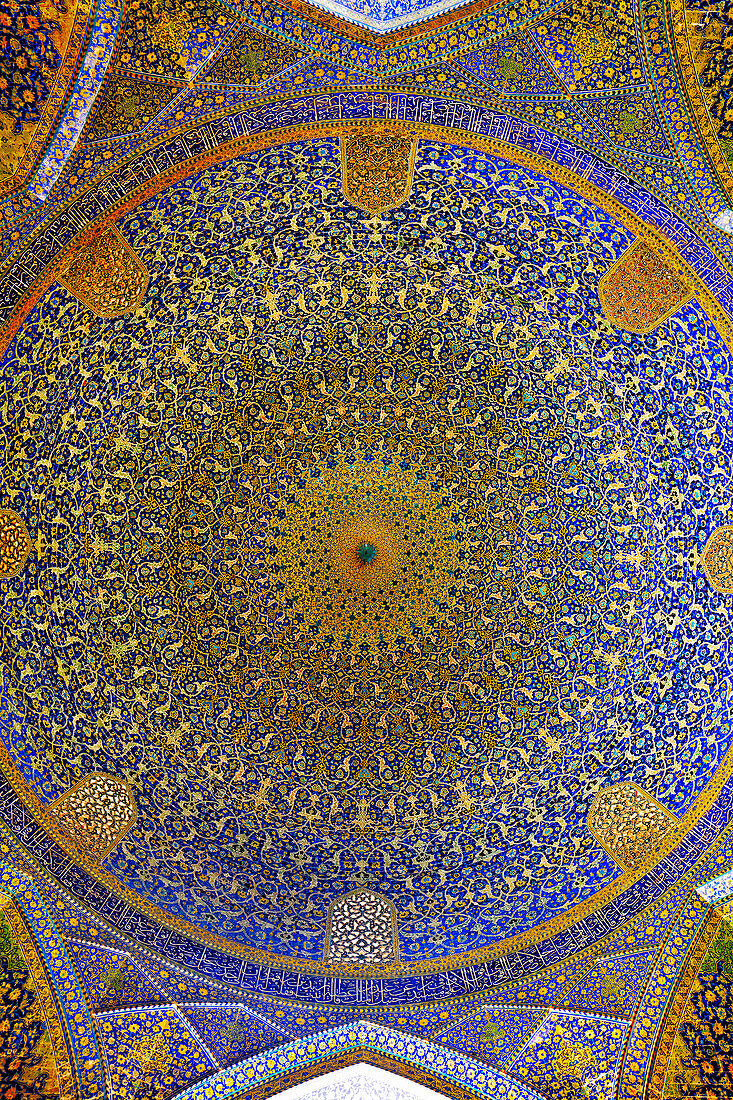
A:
(641, 290)
(717, 559)
(15, 544)
(628, 822)
(106, 275)
(377, 166)
(96, 813)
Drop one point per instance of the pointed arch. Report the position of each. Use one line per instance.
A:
(362, 930)
(447, 1072)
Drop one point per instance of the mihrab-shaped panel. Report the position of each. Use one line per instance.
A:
(96, 813)
(641, 290)
(377, 165)
(106, 275)
(362, 929)
(629, 823)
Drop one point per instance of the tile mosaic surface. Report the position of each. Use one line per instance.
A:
(127, 105)
(231, 1032)
(152, 1048)
(110, 979)
(494, 1033)
(612, 986)
(420, 397)
(584, 1047)
(558, 281)
(442, 1065)
(512, 66)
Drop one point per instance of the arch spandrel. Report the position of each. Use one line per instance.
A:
(404, 1064)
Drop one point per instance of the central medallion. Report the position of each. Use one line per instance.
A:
(377, 542)
(366, 552)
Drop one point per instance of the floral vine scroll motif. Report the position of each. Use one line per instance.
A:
(641, 290)
(96, 813)
(629, 823)
(377, 166)
(362, 929)
(717, 559)
(106, 275)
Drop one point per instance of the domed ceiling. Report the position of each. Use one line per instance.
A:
(367, 551)
(365, 547)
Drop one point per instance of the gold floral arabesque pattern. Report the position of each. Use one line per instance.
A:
(252, 58)
(243, 380)
(414, 538)
(129, 104)
(173, 38)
